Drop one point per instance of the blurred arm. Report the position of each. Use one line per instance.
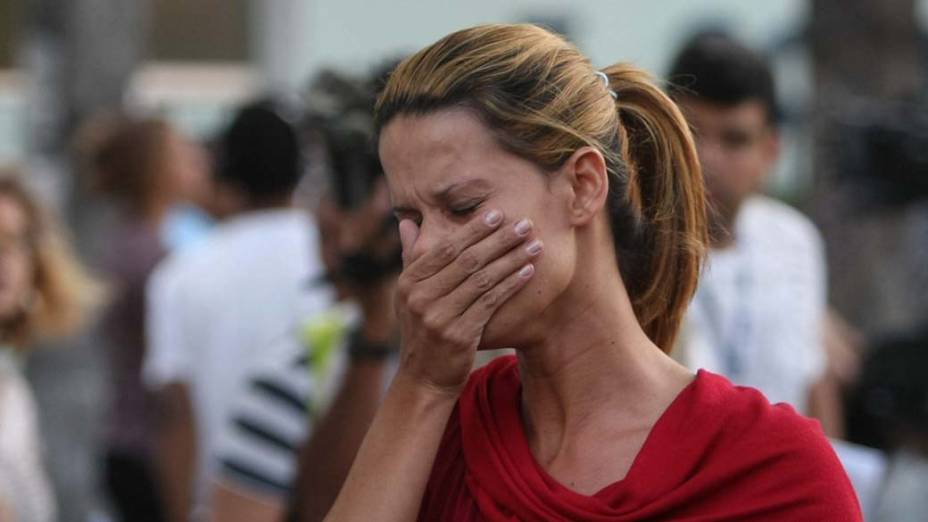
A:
(176, 449)
(232, 505)
(326, 459)
(168, 360)
(842, 346)
(391, 471)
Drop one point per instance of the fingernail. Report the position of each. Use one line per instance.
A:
(526, 271)
(493, 218)
(522, 227)
(534, 248)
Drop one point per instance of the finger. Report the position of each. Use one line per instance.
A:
(447, 248)
(409, 232)
(488, 278)
(471, 263)
(476, 317)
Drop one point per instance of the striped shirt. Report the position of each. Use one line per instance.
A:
(274, 413)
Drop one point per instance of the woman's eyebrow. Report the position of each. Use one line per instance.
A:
(471, 184)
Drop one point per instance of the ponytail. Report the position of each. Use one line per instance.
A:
(659, 213)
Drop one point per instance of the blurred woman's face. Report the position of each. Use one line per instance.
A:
(16, 266)
(446, 168)
(188, 168)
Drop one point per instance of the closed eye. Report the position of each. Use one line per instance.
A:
(465, 210)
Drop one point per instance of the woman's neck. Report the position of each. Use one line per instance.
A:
(596, 372)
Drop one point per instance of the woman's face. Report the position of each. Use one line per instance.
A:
(445, 168)
(16, 267)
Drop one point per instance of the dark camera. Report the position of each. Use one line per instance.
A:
(883, 151)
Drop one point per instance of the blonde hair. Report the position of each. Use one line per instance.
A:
(64, 293)
(543, 101)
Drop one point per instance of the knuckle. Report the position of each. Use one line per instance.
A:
(490, 299)
(481, 280)
(432, 322)
(416, 303)
(403, 287)
(469, 262)
(458, 338)
(445, 251)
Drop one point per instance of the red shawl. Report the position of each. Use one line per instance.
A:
(719, 452)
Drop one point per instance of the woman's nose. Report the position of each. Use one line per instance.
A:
(431, 233)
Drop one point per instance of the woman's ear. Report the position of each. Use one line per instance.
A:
(585, 172)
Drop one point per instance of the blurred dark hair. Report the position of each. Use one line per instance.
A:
(260, 152)
(717, 68)
(341, 112)
(879, 148)
(889, 405)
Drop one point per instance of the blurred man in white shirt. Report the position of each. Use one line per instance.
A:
(757, 314)
(213, 307)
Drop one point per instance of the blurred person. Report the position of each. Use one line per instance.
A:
(558, 209)
(363, 253)
(339, 353)
(213, 308)
(891, 399)
(43, 293)
(757, 315)
(844, 346)
(186, 219)
(150, 170)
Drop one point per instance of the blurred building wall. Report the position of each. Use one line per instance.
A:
(355, 33)
(11, 15)
(200, 31)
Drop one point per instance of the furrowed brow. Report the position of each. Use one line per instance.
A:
(467, 185)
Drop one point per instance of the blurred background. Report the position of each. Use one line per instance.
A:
(851, 76)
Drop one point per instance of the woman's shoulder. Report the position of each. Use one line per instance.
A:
(745, 418)
(780, 455)
(745, 410)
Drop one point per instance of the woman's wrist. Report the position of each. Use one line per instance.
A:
(421, 391)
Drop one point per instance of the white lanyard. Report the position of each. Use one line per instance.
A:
(731, 344)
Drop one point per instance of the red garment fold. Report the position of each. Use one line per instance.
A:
(719, 452)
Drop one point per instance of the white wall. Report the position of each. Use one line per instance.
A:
(357, 33)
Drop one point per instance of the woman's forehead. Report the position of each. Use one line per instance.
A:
(433, 153)
(446, 153)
